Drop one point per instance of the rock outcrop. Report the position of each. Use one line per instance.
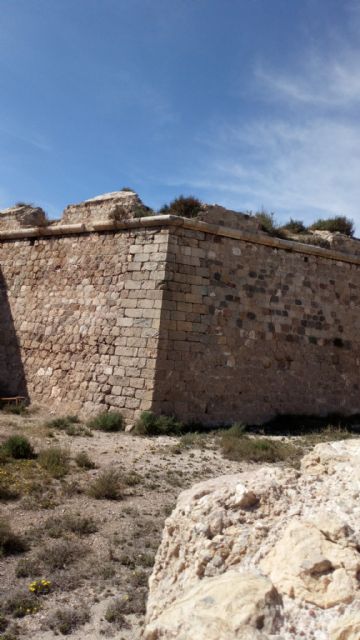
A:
(268, 554)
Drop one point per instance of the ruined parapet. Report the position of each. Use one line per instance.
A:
(217, 215)
(339, 242)
(117, 206)
(22, 216)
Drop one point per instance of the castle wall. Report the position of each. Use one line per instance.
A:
(252, 330)
(81, 314)
(185, 317)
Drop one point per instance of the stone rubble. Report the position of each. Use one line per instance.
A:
(270, 554)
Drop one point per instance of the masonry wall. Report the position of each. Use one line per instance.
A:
(251, 331)
(80, 318)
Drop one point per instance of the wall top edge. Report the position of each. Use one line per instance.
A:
(261, 238)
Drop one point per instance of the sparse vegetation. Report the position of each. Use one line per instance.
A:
(184, 206)
(55, 460)
(21, 603)
(61, 554)
(151, 425)
(18, 447)
(107, 486)
(10, 542)
(66, 620)
(28, 568)
(110, 421)
(267, 222)
(83, 460)
(341, 224)
(294, 226)
(57, 526)
(235, 445)
(18, 408)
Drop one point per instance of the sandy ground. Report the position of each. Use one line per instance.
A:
(116, 560)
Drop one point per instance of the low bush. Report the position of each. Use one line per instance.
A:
(61, 554)
(107, 486)
(267, 222)
(21, 603)
(17, 409)
(56, 526)
(83, 461)
(55, 460)
(66, 620)
(110, 421)
(63, 422)
(148, 424)
(341, 224)
(27, 568)
(10, 542)
(294, 226)
(19, 447)
(184, 206)
(7, 493)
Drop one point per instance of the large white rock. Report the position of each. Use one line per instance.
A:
(300, 530)
(228, 606)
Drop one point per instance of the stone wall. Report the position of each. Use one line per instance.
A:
(210, 320)
(251, 330)
(82, 314)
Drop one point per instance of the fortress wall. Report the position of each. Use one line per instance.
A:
(80, 316)
(250, 331)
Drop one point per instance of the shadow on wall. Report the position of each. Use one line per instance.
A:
(12, 375)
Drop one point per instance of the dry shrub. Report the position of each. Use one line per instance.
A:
(61, 554)
(83, 461)
(107, 486)
(55, 460)
(109, 421)
(67, 620)
(57, 526)
(10, 542)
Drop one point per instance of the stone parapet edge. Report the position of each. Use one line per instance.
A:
(176, 221)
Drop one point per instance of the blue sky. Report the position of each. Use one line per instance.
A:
(248, 103)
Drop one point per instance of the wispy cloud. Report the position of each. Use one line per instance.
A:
(302, 158)
(324, 83)
(15, 132)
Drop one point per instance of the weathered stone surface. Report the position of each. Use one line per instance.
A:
(226, 607)
(307, 565)
(217, 215)
(299, 530)
(22, 216)
(118, 206)
(346, 628)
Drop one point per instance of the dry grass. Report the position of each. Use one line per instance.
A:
(55, 460)
(57, 526)
(107, 486)
(61, 554)
(66, 620)
(236, 445)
